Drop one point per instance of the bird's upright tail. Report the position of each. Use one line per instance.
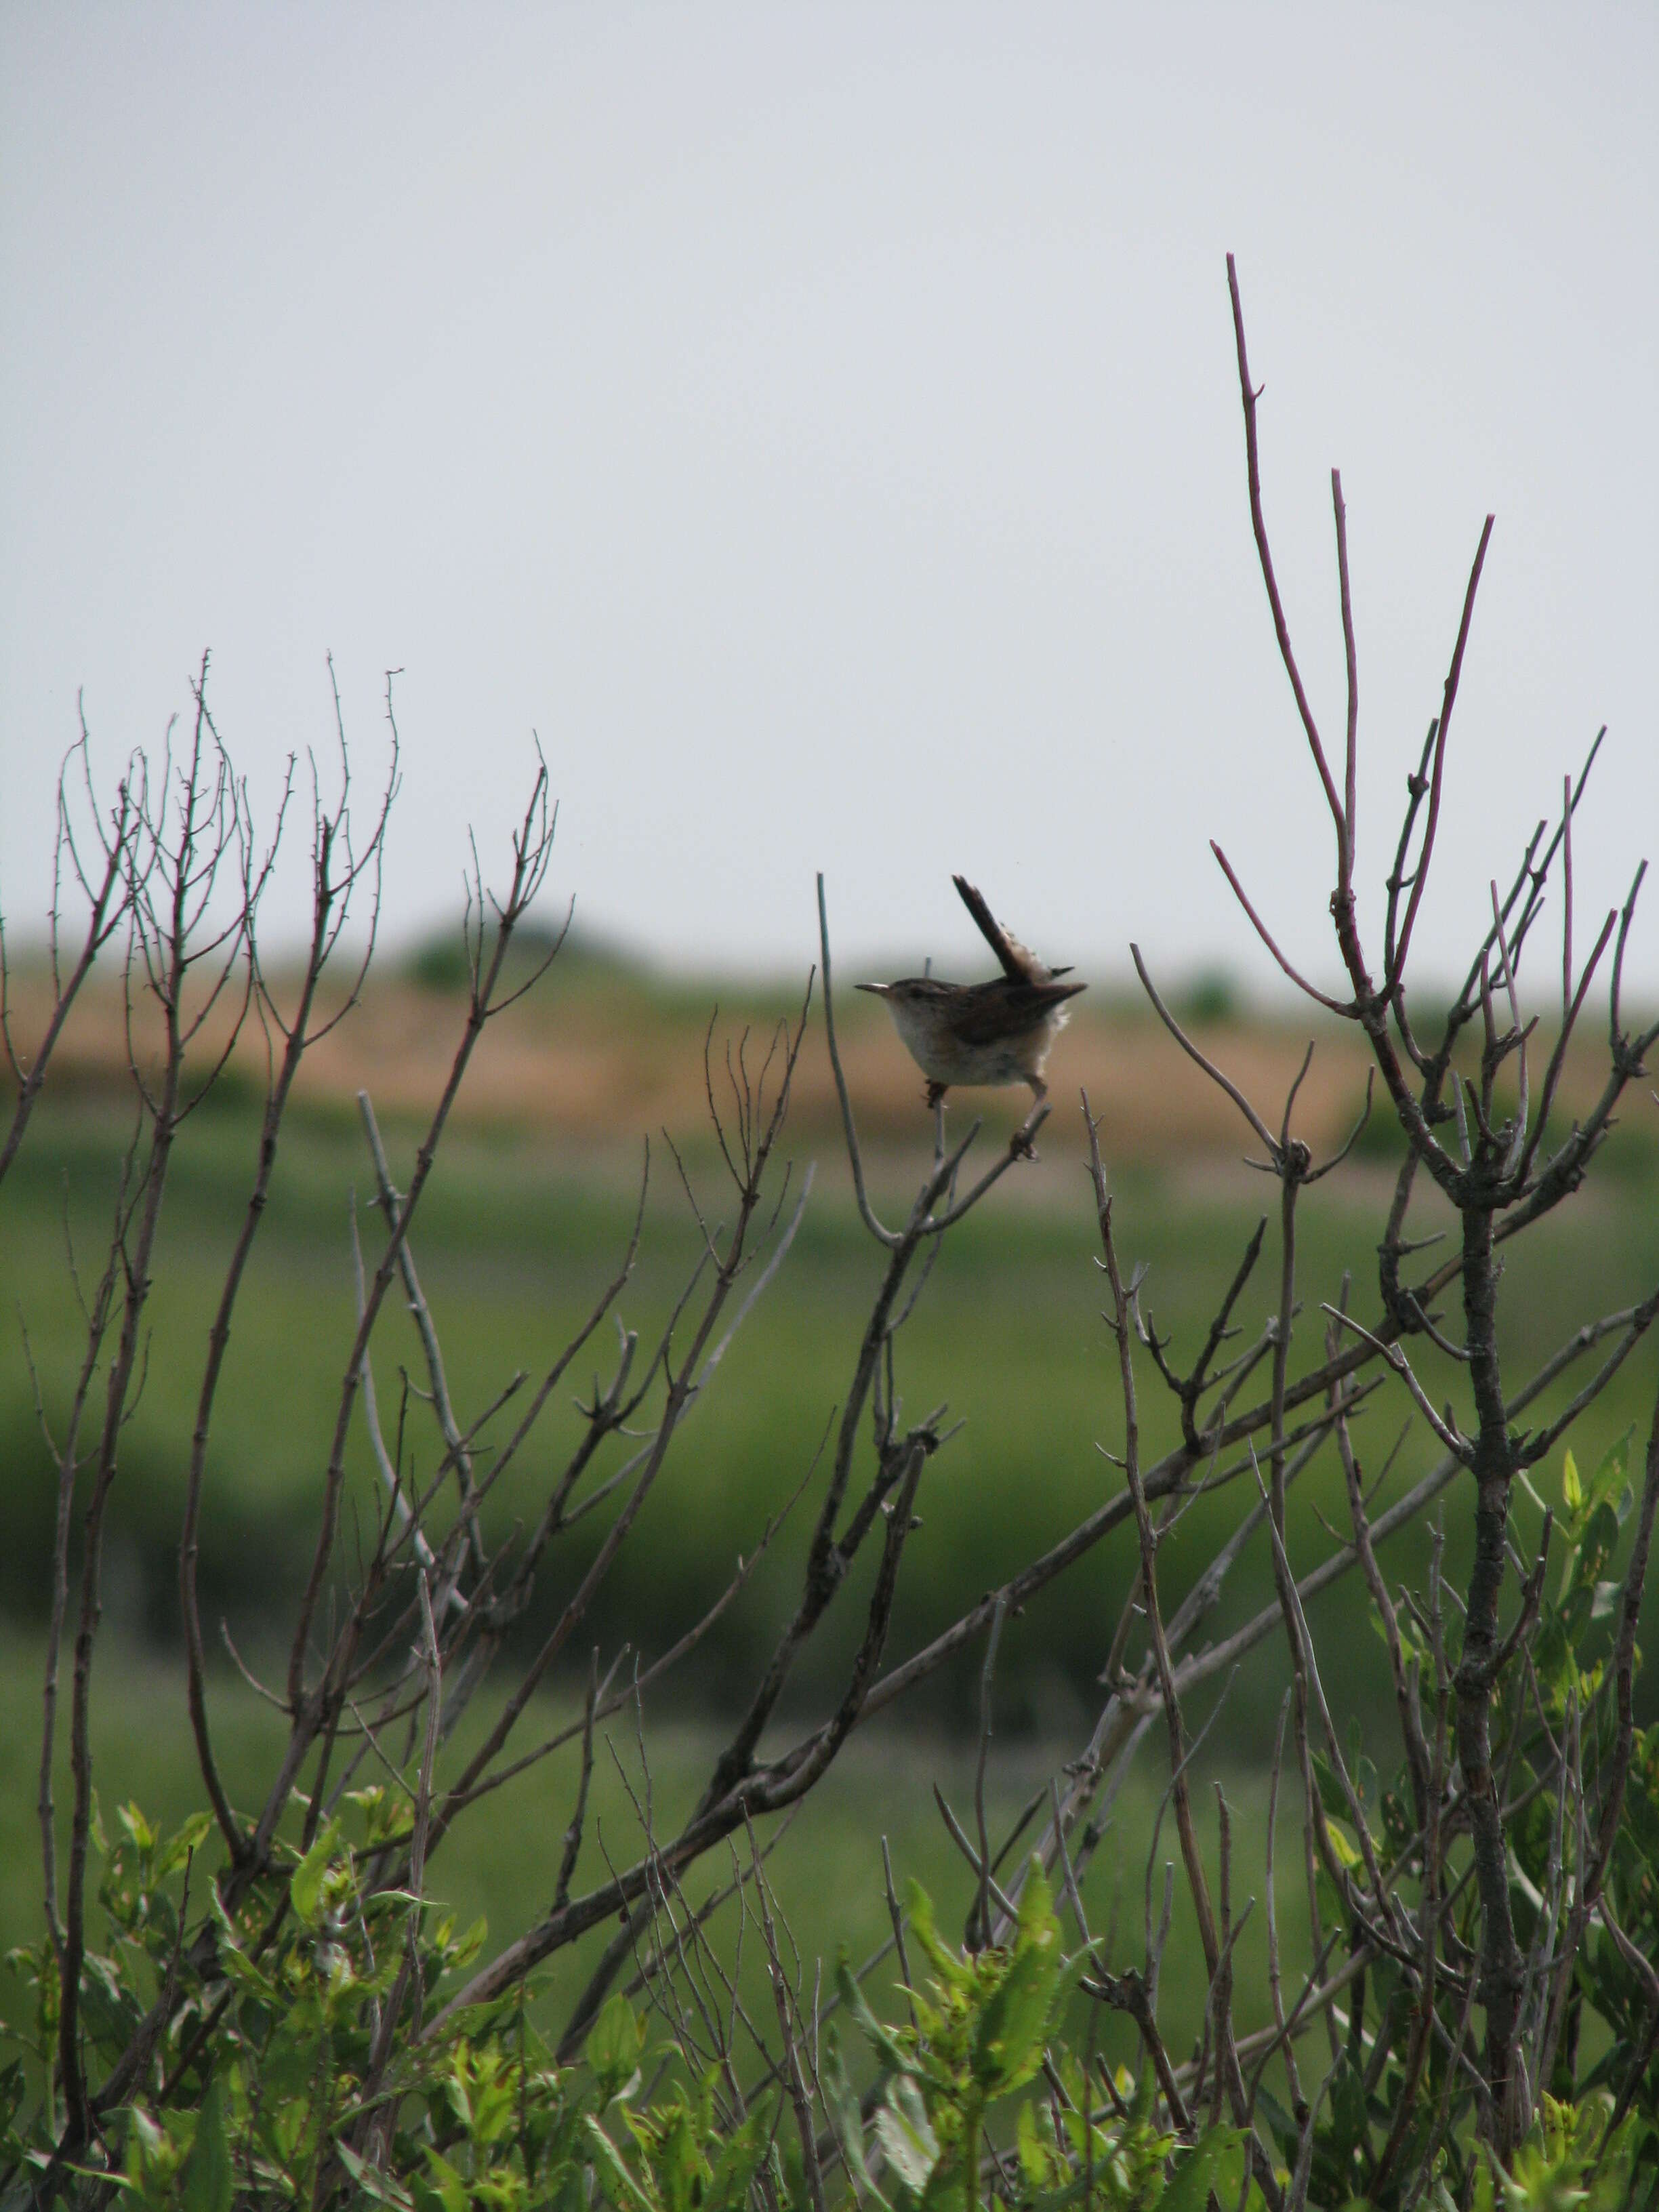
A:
(1017, 963)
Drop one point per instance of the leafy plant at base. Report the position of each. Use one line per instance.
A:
(980, 2033)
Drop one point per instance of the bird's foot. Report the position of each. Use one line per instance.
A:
(1021, 1144)
(935, 1094)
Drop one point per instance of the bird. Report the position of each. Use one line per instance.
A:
(994, 1033)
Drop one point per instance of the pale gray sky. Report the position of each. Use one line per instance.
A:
(820, 425)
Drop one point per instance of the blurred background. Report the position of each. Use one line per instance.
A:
(820, 428)
(821, 425)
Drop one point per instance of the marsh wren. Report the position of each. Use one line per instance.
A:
(982, 1033)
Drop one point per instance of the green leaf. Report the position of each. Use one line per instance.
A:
(1576, 1612)
(1597, 1545)
(679, 2167)
(891, 2054)
(1331, 1795)
(1332, 1906)
(1283, 2128)
(613, 2046)
(841, 2102)
(112, 2010)
(373, 2183)
(906, 2134)
(465, 1948)
(614, 2177)
(1551, 1655)
(180, 1845)
(738, 2163)
(1008, 2039)
(1530, 1833)
(1196, 2174)
(14, 2085)
(1037, 2162)
(142, 1836)
(1609, 1475)
(945, 1962)
(238, 1967)
(305, 1884)
(1346, 1853)
(452, 2190)
(208, 2175)
(1572, 1490)
(1348, 2126)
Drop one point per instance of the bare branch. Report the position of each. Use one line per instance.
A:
(889, 1237)
(1222, 1082)
(1460, 1446)
(1322, 998)
(1249, 395)
(1421, 877)
(449, 1428)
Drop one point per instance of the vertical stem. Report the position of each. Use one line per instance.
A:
(136, 1269)
(218, 1342)
(164, 931)
(1350, 783)
(1119, 1323)
(1494, 1470)
(1293, 1166)
(972, 2128)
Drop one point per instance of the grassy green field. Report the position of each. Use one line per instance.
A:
(514, 1241)
(516, 1236)
(500, 1861)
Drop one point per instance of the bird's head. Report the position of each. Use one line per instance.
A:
(911, 991)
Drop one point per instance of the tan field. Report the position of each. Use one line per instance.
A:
(600, 1054)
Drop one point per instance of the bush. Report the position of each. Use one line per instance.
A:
(264, 2008)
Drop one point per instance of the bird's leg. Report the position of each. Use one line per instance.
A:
(1020, 1143)
(935, 1094)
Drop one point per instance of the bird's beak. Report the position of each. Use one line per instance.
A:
(880, 989)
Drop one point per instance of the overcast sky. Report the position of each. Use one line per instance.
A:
(820, 425)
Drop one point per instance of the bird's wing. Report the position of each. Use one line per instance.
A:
(1018, 963)
(988, 1011)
